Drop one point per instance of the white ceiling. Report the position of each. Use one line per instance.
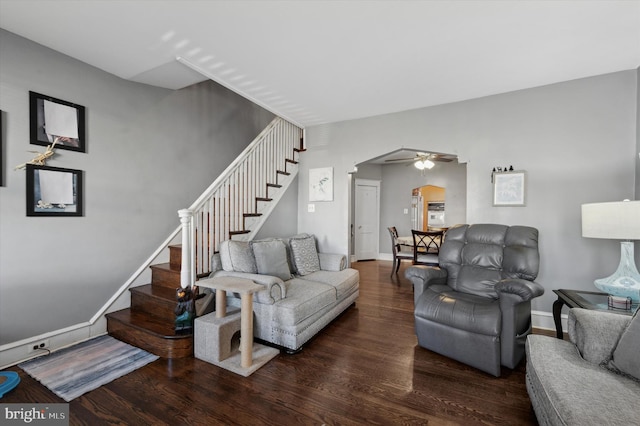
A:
(324, 61)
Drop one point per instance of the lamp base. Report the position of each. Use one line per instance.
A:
(625, 281)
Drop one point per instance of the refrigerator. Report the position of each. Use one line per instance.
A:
(417, 212)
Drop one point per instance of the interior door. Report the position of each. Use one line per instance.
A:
(367, 219)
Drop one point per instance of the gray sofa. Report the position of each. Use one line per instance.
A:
(303, 290)
(593, 379)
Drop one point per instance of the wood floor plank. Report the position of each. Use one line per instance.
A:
(363, 368)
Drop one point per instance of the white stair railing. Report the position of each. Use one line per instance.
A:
(238, 194)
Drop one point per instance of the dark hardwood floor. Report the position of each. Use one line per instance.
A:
(364, 368)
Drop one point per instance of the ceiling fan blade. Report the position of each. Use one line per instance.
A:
(442, 158)
(402, 159)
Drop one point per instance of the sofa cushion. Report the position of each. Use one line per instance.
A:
(566, 389)
(305, 254)
(237, 256)
(304, 298)
(342, 281)
(287, 243)
(626, 356)
(271, 258)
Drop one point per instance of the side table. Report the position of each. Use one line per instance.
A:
(582, 299)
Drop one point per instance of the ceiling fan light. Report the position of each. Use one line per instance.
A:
(419, 165)
(428, 164)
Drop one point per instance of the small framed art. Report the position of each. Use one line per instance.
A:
(321, 184)
(54, 120)
(53, 191)
(509, 189)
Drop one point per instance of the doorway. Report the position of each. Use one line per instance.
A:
(427, 205)
(367, 219)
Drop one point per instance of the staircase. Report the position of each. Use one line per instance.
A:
(234, 207)
(148, 323)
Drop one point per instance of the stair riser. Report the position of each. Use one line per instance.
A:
(161, 308)
(165, 348)
(175, 257)
(165, 278)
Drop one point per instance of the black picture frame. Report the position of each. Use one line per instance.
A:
(63, 121)
(63, 185)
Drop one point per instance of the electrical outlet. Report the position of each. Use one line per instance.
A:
(39, 345)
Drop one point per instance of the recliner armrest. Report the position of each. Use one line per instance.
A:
(595, 333)
(524, 289)
(422, 276)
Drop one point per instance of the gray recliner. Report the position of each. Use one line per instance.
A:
(476, 306)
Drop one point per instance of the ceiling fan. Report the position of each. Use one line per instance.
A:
(424, 160)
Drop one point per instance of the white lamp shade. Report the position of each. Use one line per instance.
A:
(419, 165)
(615, 221)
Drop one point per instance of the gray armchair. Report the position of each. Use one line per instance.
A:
(476, 306)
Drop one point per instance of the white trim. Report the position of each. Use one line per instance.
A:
(544, 320)
(385, 256)
(235, 89)
(17, 352)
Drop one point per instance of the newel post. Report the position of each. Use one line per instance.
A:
(185, 271)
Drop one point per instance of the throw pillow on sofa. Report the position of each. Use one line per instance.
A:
(271, 258)
(625, 358)
(237, 256)
(305, 255)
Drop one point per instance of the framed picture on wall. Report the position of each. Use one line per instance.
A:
(54, 120)
(321, 184)
(53, 191)
(509, 189)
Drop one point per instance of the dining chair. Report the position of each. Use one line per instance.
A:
(398, 254)
(426, 246)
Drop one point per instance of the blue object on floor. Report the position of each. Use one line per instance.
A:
(11, 381)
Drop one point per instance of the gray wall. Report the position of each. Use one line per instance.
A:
(150, 153)
(282, 222)
(576, 140)
(397, 182)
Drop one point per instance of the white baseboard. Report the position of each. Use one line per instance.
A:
(544, 320)
(23, 350)
(385, 256)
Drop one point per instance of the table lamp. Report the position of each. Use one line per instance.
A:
(616, 221)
